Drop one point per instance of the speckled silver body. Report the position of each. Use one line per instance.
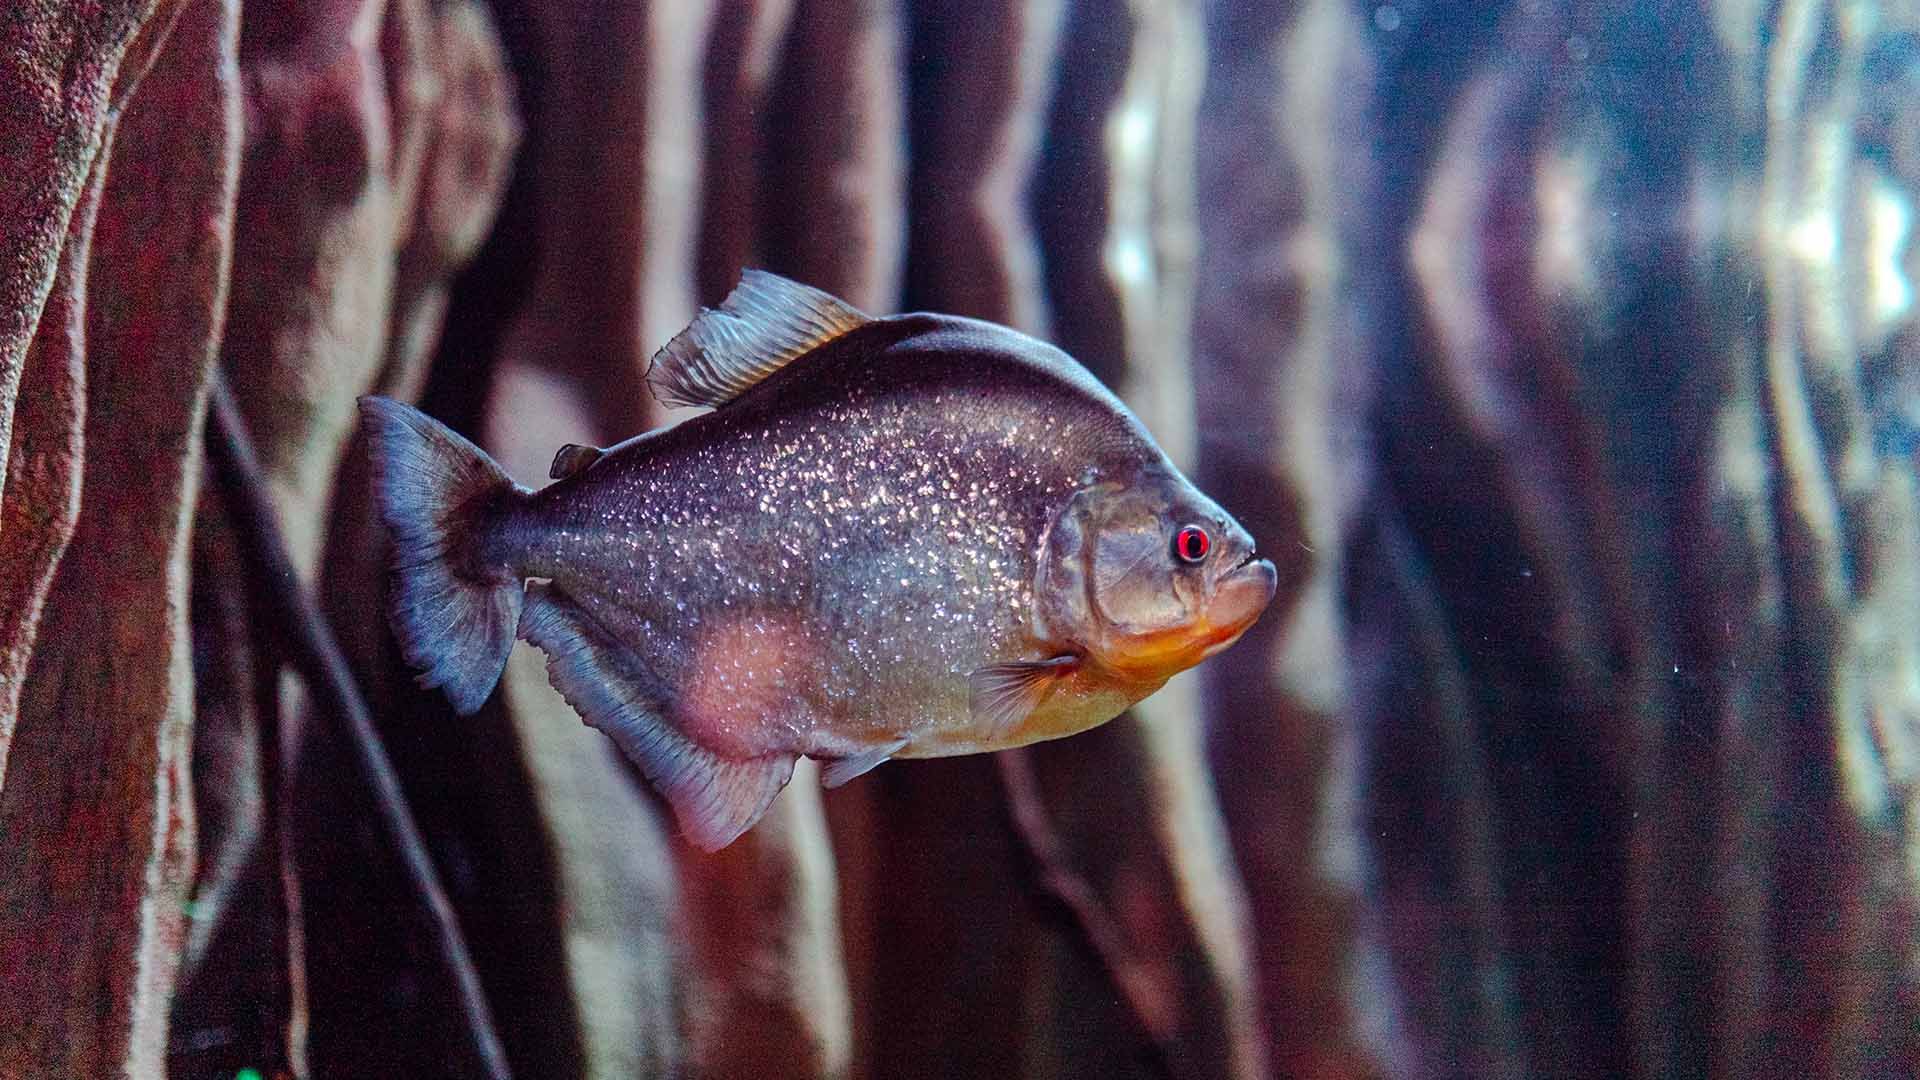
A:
(817, 567)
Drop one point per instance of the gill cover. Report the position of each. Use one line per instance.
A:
(1106, 581)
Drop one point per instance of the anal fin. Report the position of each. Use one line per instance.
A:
(715, 798)
(840, 770)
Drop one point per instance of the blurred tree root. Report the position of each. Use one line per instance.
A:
(310, 650)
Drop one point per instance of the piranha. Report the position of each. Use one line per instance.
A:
(903, 537)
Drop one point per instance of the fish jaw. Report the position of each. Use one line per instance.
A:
(1239, 597)
(1102, 689)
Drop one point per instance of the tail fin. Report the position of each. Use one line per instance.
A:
(438, 493)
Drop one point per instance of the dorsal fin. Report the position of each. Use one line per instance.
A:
(571, 458)
(764, 322)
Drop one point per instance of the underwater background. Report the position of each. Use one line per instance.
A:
(1561, 354)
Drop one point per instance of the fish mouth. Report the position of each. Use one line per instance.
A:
(1239, 598)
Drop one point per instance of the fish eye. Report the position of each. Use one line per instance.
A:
(1191, 544)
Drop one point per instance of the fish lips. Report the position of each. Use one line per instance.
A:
(1239, 598)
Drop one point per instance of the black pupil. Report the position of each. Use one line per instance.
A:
(1193, 544)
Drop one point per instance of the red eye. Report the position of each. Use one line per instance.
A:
(1192, 544)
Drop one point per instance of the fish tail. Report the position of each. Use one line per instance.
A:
(454, 604)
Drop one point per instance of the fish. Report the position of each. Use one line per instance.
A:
(912, 536)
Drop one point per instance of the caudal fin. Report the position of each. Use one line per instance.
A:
(438, 494)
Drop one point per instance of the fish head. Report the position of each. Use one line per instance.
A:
(1146, 576)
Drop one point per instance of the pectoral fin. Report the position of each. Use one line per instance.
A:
(714, 797)
(1002, 695)
(841, 770)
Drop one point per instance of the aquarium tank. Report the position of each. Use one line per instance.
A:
(872, 539)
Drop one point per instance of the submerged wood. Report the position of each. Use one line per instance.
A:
(324, 667)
